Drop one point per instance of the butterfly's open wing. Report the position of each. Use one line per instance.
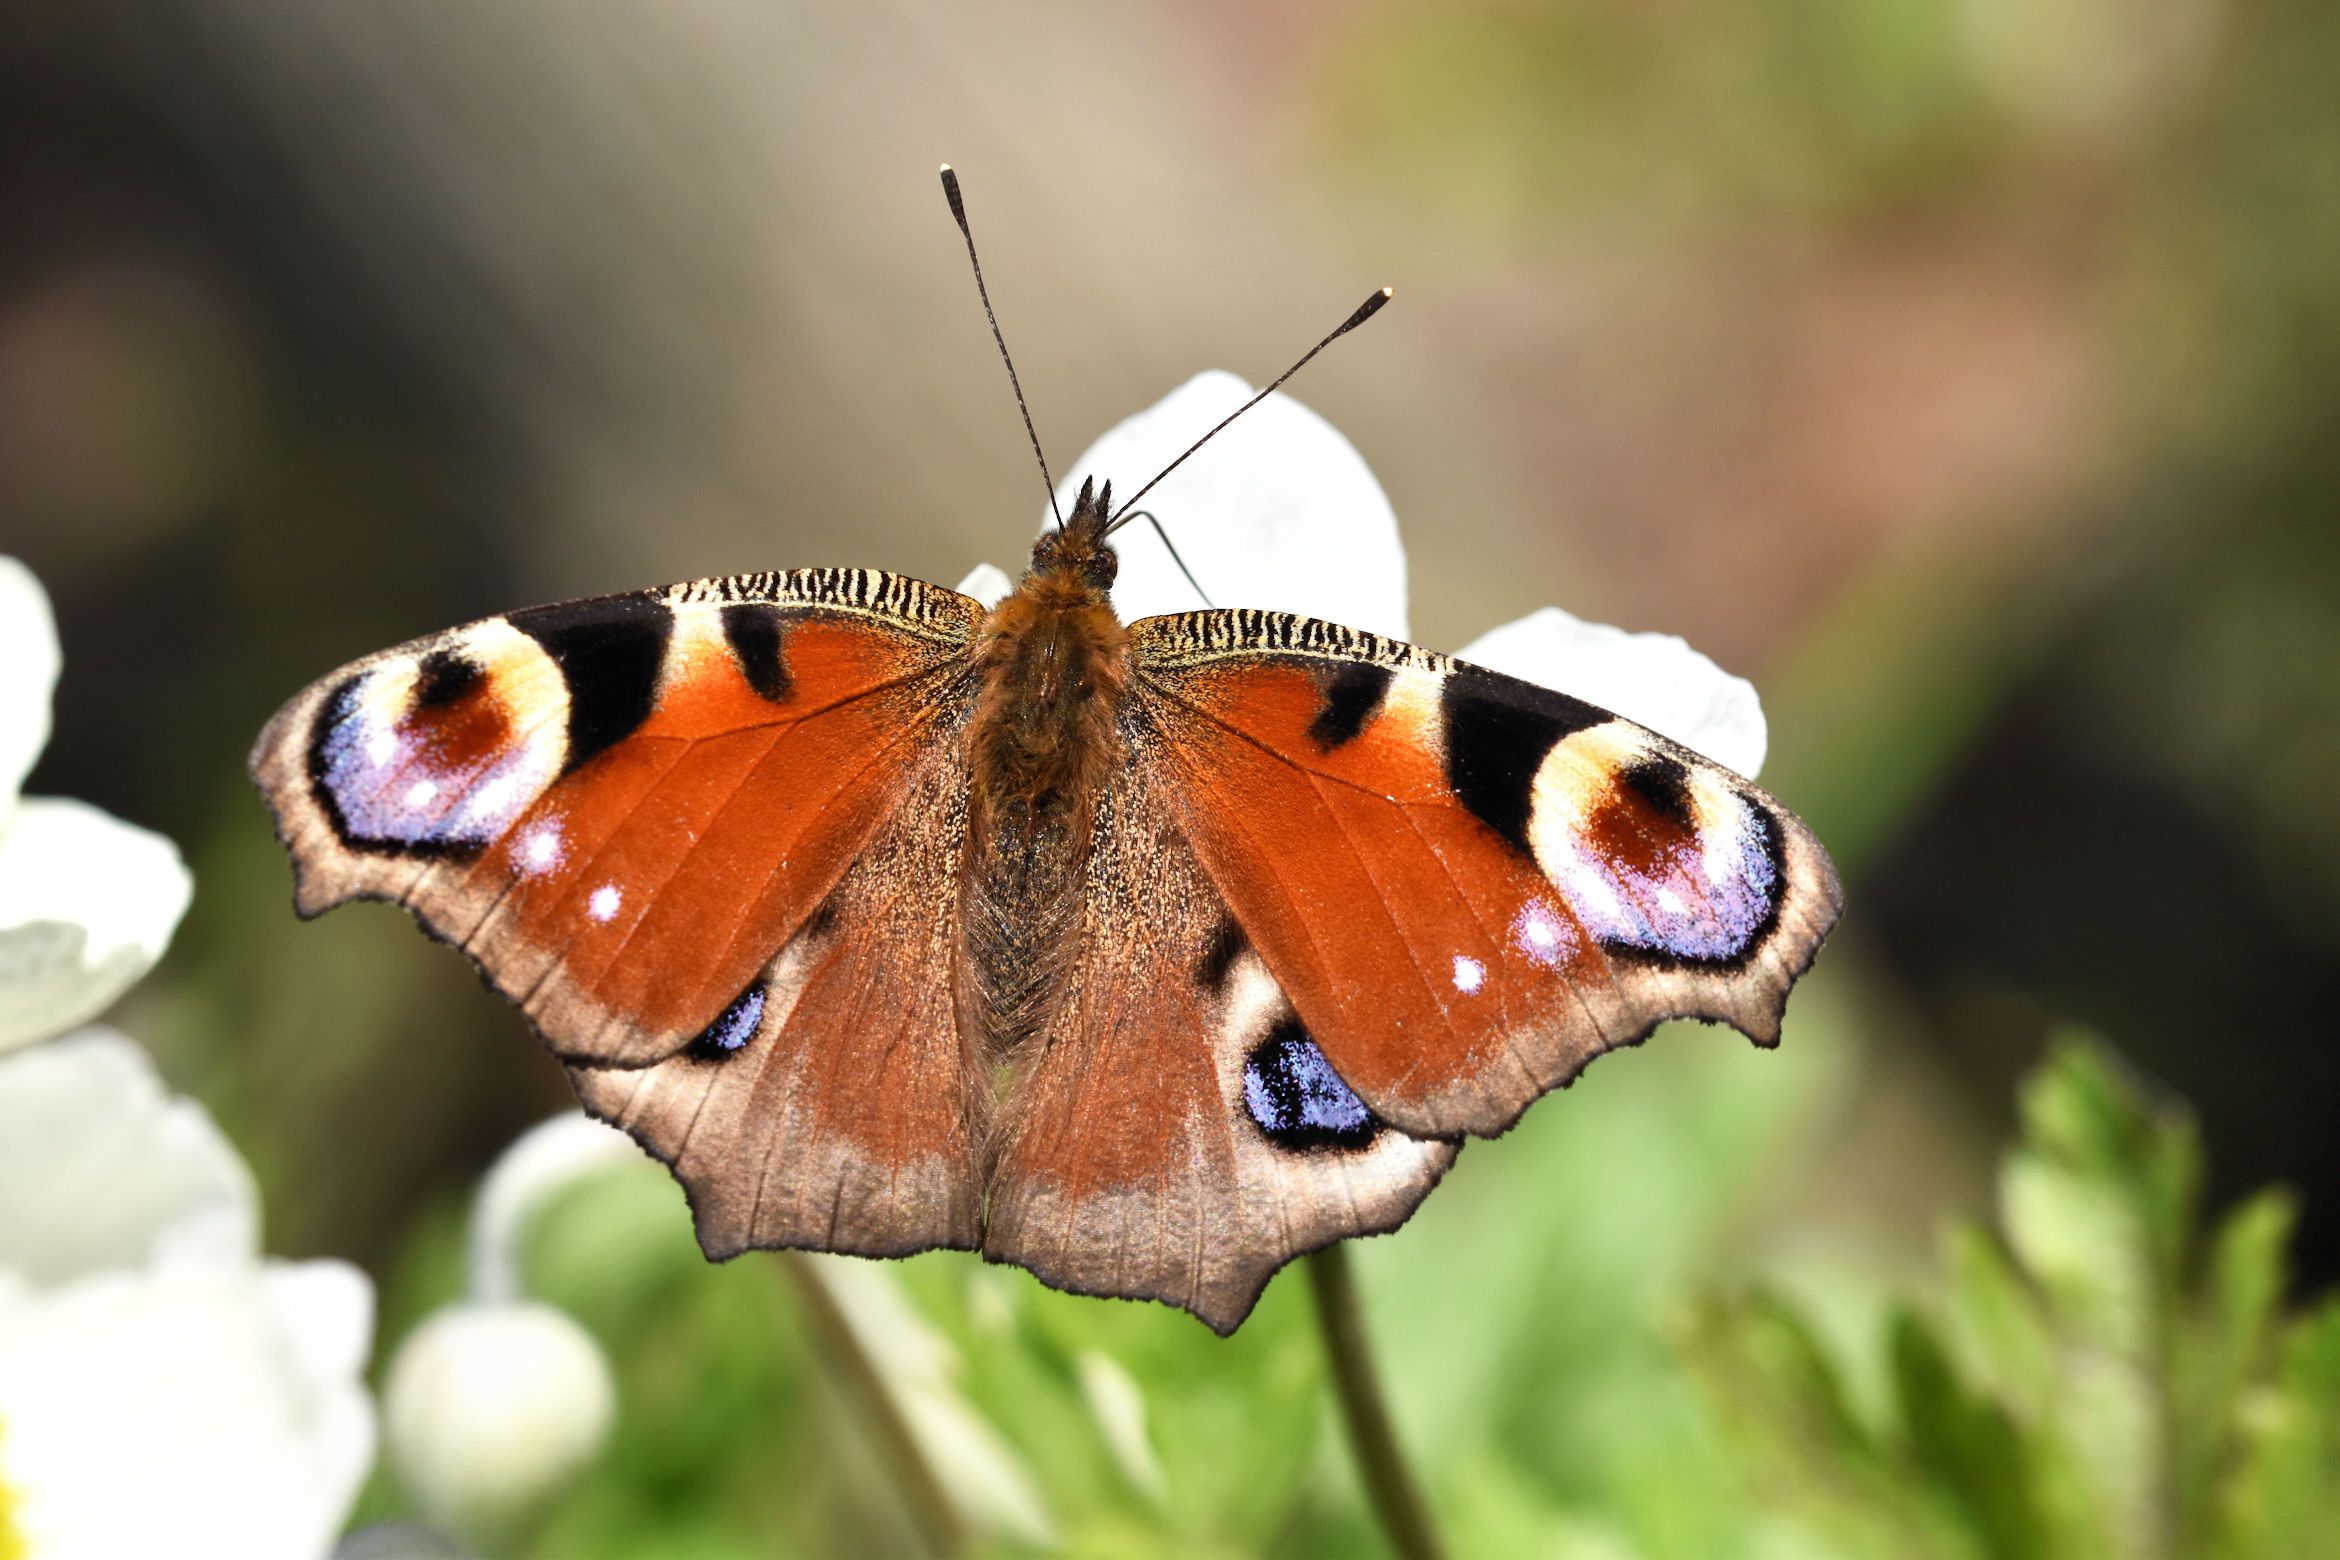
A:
(632, 812)
(1469, 885)
(621, 808)
(1174, 1134)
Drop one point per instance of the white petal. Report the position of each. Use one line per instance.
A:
(490, 1409)
(181, 1412)
(987, 583)
(543, 1161)
(28, 675)
(324, 1315)
(1279, 511)
(100, 1167)
(87, 904)
(1655, 679)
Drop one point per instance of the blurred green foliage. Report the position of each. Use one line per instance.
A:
(2101, 1375)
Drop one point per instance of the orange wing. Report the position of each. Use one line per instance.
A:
(622, 809)
(1470, 886)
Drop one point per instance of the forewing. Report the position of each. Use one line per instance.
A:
(1175, 1134)
(623, 808)
(1469, 885)
(832, 1105)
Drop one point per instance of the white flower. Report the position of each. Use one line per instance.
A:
(29, 661)
(1281, 512)
(162, 1390)
(106, 1170)
(1278, 511)
(87, 902)
(493, 1404)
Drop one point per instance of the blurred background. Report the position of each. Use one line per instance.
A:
(1965, 372)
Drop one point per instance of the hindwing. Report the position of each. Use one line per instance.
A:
(1176, 1134)
(834, 1104)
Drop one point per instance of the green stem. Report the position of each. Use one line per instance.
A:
(1389, 1482)
(841, 1350)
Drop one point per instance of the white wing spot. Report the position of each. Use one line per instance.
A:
(421, 794)
(1538, 933)
(381, 746)
(604, 903)
(1469, 974)
(540, 849)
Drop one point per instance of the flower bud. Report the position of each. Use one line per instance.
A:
(490, 1409)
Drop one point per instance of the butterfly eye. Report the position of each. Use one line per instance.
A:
(1102, 568)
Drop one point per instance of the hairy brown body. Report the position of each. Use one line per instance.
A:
(1053, 662)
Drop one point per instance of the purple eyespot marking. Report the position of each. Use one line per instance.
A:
(427, 774)
(735, 1028)
(1708, 902)
(1294, 1096)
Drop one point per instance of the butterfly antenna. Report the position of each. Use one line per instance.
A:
(1147, 516)
(950, 181)
(1365, 311)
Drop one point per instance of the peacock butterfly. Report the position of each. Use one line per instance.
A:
(1145, 956)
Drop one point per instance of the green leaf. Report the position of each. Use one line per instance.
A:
(1997, 1320)
(2245, 1288)
(1783, 1374)
(1793, 1428)
(722, 1444)
(2284, 1500)
(1964, 1446)
(2079, 1239)
(2084, 1113)
(2102, 1379)
(2230, 1342)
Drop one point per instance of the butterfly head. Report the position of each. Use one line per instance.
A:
(1079, 552)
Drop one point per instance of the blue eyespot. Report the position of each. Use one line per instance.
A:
(735, 1028)
(1294, 1096)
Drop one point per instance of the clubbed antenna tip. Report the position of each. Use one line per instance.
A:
(1365, 311)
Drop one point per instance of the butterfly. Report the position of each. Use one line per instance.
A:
(1146, 956)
